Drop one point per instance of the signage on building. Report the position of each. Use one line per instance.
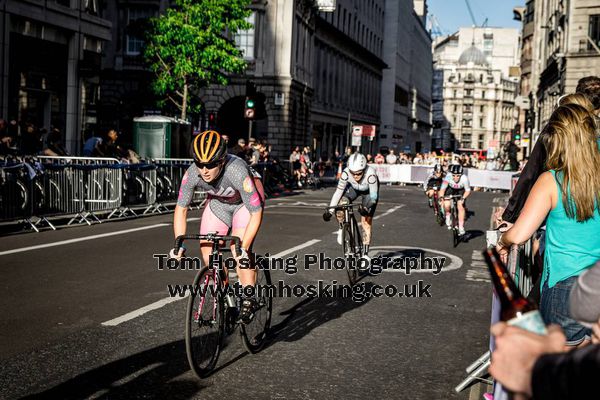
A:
(357, 135)
(326, 5)
(369, 131)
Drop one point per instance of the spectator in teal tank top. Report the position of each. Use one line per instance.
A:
(568, 198)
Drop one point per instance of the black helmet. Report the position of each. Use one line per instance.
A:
(456, 169)
(437, 168)
(209, 147)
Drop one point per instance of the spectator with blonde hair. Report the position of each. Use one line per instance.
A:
(568, 198)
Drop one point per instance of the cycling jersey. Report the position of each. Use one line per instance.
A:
(433, 181)
(233, 196)
(455, 188)
(368, 184)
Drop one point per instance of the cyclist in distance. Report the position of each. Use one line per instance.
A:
(235, 199)
(357, 179)
(455, 184)
(434, 180)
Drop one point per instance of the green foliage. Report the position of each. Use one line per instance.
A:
(191, 45)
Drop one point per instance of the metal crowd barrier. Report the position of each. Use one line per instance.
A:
(15, 192)
(37, 188)
(82, 186)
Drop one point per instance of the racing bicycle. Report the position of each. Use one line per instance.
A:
(456, 237)
(351, 239)
(438, 211)
(212, 309)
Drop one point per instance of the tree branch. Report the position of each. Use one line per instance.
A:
(175, 102)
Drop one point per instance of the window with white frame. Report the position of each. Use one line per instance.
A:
(134, 43)
(244, 40)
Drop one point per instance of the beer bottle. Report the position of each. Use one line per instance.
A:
(515, 308)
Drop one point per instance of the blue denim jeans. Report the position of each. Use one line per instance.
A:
(554, 307)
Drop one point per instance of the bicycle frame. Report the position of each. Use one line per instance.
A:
(219, 275)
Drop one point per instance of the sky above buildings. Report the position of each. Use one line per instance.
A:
(453, 14)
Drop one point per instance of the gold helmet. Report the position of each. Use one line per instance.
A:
(209, 148)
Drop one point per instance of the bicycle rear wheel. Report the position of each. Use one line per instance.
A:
(254, 334)
(439, 217)
(348, 242)
(205, 323)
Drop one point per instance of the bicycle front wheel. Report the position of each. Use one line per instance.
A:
(455, 236)
(349, 249)
(254, 334)
(205, 323)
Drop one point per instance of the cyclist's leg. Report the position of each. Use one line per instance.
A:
(447, 204)
(347, 198)
(240, 220)
(212, 221)
(367, 222)
(461, 211)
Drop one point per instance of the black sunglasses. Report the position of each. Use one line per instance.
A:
(210, 165)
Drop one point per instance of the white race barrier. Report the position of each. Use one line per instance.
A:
(407, 173)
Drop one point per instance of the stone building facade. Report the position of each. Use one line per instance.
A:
(406, 84)
(51, 58)
(566, 49)
(475, 85)
(321, 72)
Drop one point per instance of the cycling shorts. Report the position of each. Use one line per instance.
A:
(219, 217)
(351, 194)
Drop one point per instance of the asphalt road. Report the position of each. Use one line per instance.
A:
(56, 297)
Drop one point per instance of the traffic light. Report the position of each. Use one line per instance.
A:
(250, 107)
(516, 133)
(212, 120)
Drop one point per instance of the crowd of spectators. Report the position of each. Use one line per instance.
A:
(26, 139)
(557, 201)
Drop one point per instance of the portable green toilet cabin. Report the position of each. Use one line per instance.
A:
(156, 136)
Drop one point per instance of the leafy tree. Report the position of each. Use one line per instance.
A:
(191, 46)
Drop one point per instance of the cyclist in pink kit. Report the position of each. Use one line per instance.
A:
(235, 202)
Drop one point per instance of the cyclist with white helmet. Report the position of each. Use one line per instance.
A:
(456, 184)
(357, 179)
(235, 203)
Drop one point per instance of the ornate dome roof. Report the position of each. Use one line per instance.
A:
(474, 55)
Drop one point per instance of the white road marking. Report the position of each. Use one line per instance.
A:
(300, 246)
(385, 214)
(140, 311)
(161, 303)
(478, 271)
(81, 239)
(388, 212)
(455, 262)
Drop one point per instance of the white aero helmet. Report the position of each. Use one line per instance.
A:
(357, 162)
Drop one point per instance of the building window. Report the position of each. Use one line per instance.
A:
(455, 93)
(482, 109)
(488, 44)
(483, 94)
(66, 3)
(455, 108)
(91, 7)
(134, 43)
(468, 92)
(594, 31)
(244, 40)
(481, 122)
